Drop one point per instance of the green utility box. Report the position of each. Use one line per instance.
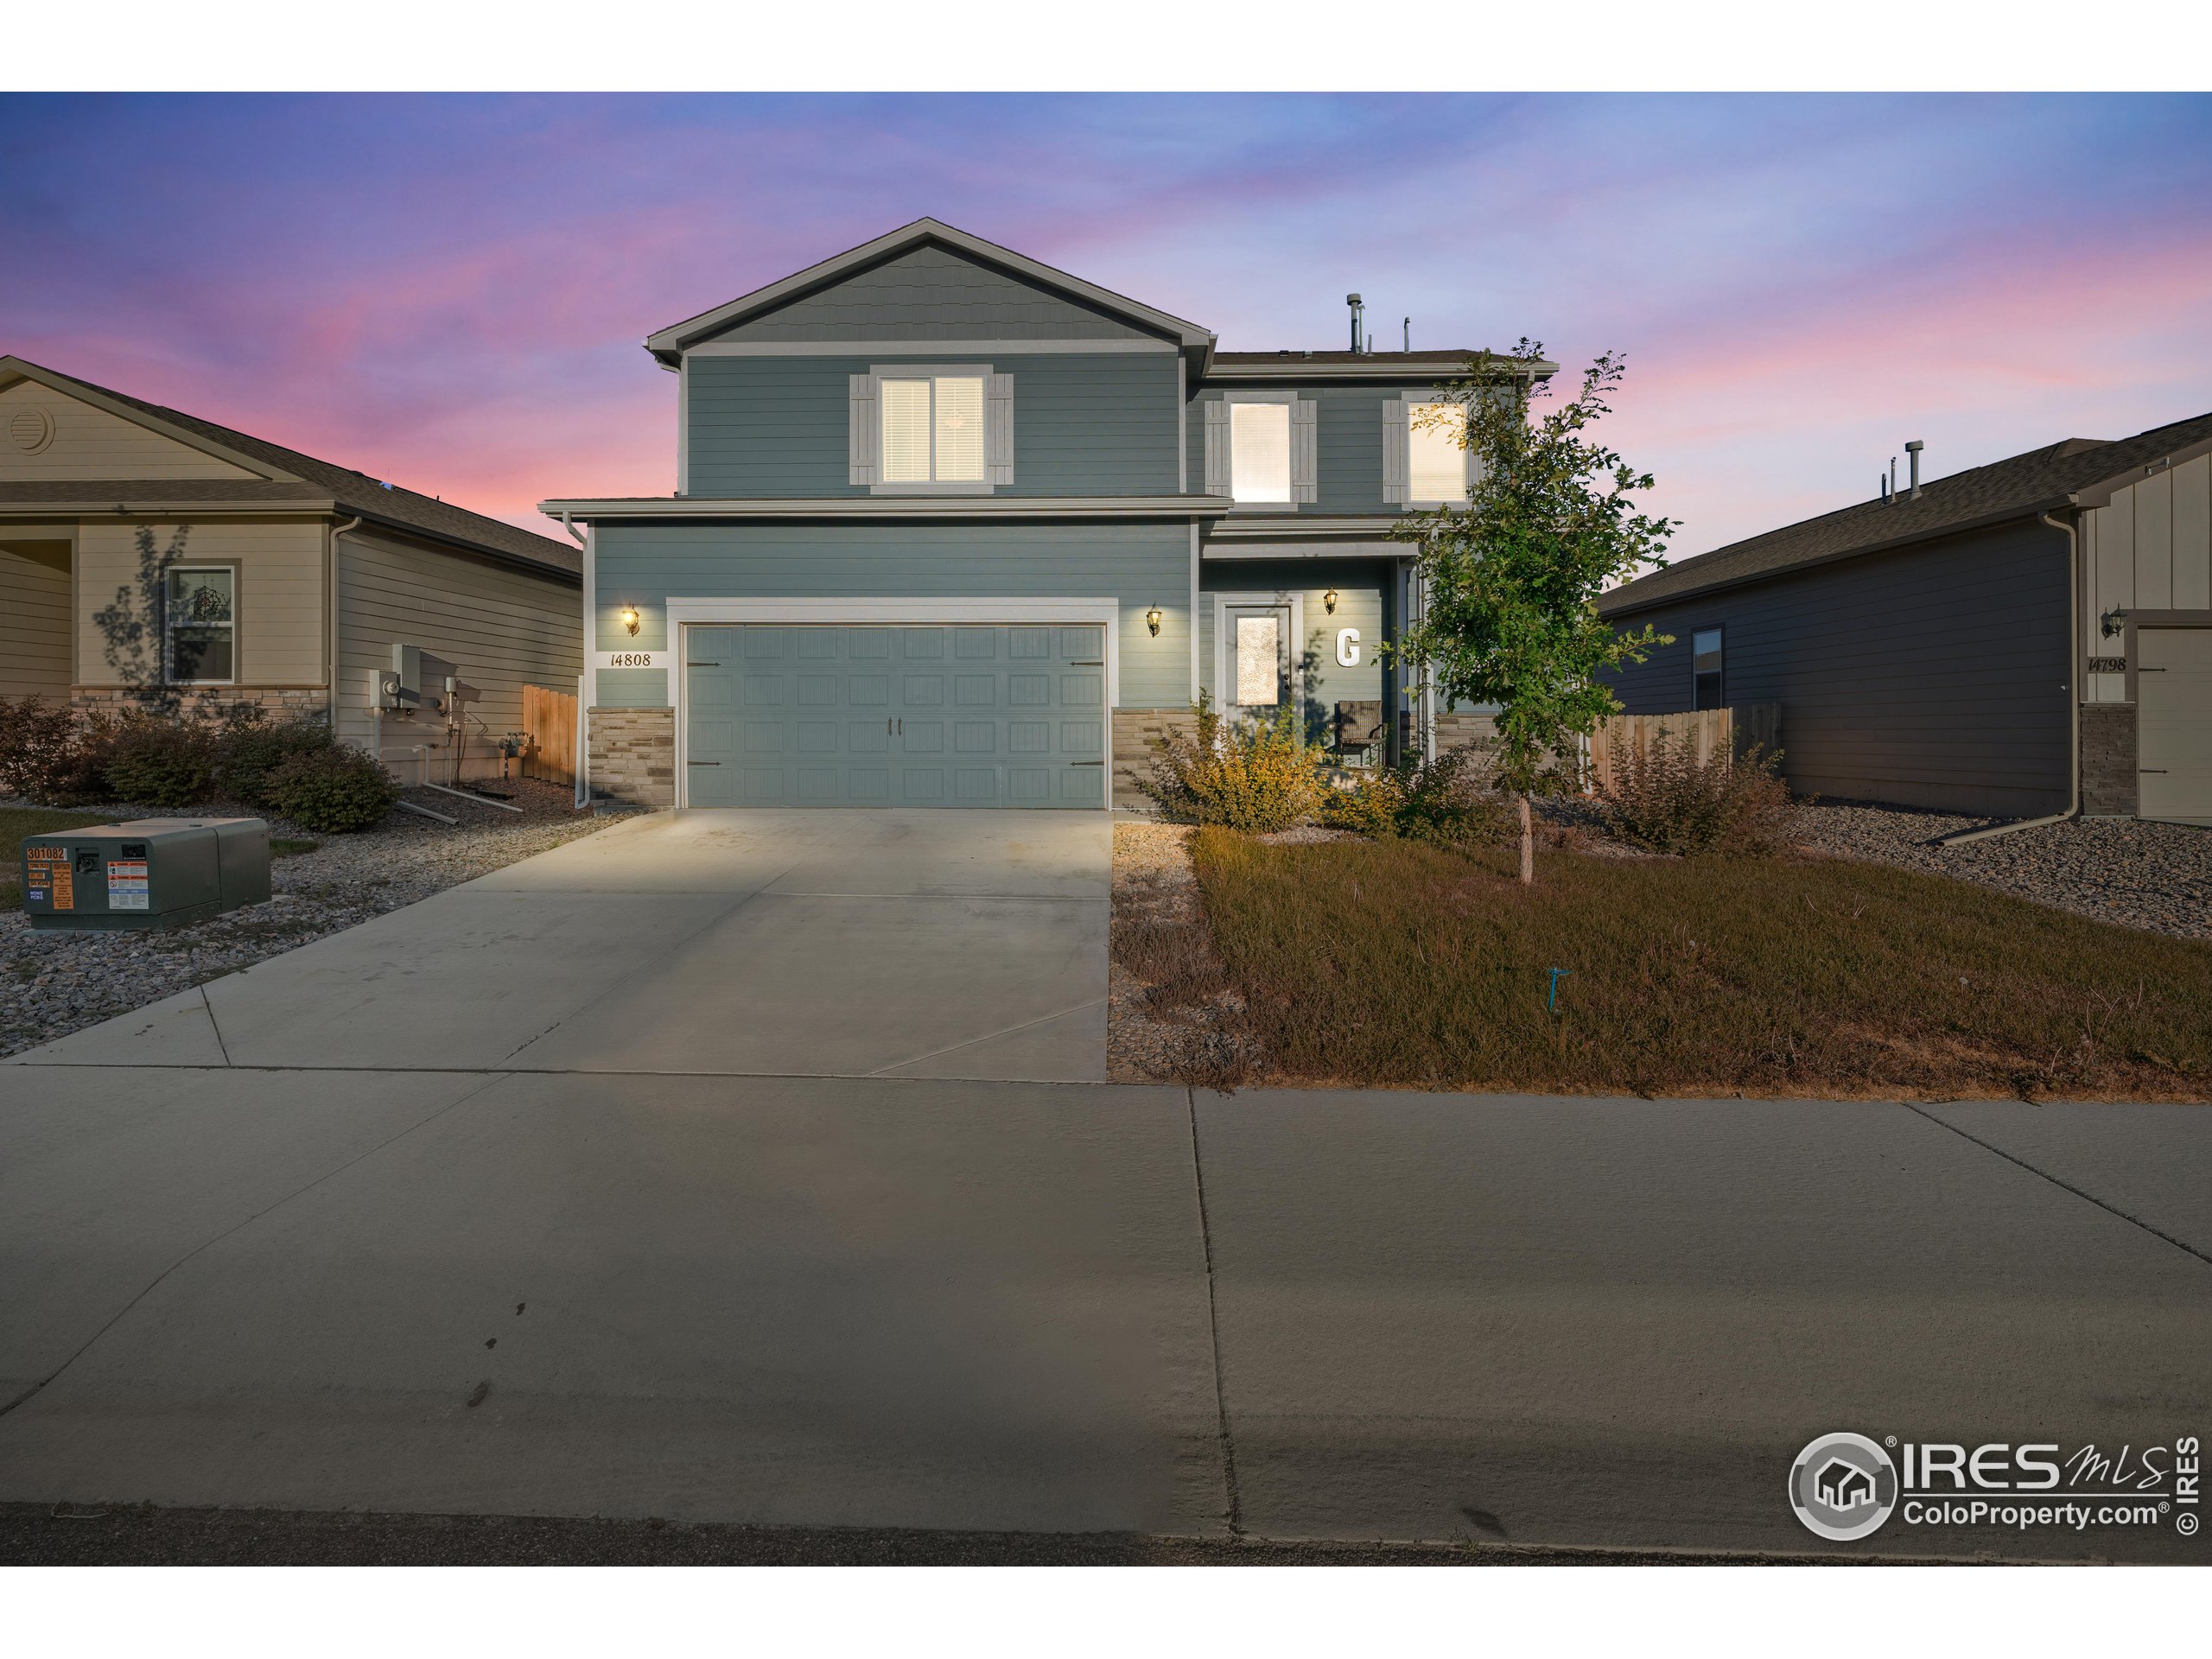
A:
(148, 872)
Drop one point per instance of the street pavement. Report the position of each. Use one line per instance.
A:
(1064, 1309)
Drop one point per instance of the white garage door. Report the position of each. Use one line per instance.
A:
(2173, 692)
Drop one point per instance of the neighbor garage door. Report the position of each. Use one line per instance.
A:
(2173, 713)
(969, 716)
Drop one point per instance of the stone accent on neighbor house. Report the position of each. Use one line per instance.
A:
(213, 701)
(2108, 761)
(1135, 730)
(633, 755)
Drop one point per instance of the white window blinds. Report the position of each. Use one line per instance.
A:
(934, 429)
(905, 431)
(1259, 444)
(1436, 462)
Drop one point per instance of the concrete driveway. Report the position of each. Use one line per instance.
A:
(756, 942)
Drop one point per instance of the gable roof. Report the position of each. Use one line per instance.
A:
(286, 475)
(669, 344)
(2073, 472)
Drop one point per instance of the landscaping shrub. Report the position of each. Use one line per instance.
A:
(1665, 798)
(159, 762)
(1448, 801)
(49, 755)
(333, 790)
(249, 748)
(1258, 776)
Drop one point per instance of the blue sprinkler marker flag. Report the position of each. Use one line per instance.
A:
(1551, 996)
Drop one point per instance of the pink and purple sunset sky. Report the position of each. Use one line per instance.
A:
(450, 292)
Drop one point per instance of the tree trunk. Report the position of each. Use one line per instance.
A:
(1527, 845)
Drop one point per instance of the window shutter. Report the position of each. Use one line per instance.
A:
(1474, 471)
(1216, 447)
(1396, 463)
(1304, 450)
(861, 430)
(998, 430)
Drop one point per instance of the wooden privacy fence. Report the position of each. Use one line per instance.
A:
(1714, 731)
(549, 718)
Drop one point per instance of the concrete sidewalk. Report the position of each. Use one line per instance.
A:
(901, 1302)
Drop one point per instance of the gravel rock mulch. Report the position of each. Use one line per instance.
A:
(2153, 876)
(53, 983)
(1168, 1007)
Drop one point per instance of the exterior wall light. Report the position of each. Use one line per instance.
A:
(1152, 620)
(1329, 602)
(630, 619)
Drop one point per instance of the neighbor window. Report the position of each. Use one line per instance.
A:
(934, 429)
(200, 625)
(1705, 663)
(1436, 462)
(1259, 452)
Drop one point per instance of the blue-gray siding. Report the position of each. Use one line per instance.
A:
(1089, 425)
(931, 293)
(1935, 676)
(1138, 564)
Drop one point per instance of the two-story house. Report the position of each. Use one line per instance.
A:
(953, 528)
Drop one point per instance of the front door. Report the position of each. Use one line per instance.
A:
(1255, 667)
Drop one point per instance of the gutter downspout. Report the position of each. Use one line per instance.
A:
(2073, 677)
(330, 624)
(581, 799)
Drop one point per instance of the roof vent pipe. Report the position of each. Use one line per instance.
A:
(1359, 313)
(1913, 448)
(1409, 337)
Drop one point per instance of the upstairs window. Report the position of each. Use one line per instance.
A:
(934, 429)
(1259, 452)
(199, 626)
(1436, 458)
(1261, 448)
(1705, 665)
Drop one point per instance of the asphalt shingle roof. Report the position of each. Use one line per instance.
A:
(2037, 481)
(355, 491)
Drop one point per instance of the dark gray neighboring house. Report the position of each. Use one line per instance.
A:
(1919, 646)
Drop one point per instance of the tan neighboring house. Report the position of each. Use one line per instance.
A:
(298, 577)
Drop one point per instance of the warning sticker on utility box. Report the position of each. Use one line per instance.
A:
(48, 870)
(126, 884)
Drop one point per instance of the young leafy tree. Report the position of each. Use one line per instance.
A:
(1511, 579)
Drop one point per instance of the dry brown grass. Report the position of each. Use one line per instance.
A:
(1387, 963)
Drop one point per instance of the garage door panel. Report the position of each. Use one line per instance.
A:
(968, 715)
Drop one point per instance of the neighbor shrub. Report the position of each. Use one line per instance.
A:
(1664, 799)
(1257, 776)
(251, 747)
(52, 755)
(1450, 801)
(161, 762)
(333, 790)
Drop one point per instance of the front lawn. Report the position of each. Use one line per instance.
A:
(1384, 963)
(17, 823)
